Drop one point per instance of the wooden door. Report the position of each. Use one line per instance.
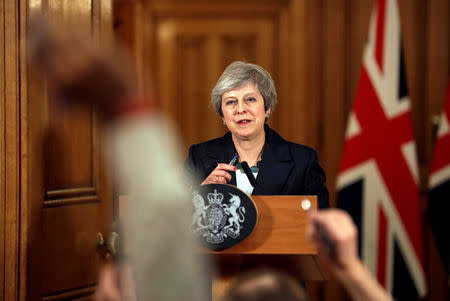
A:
(65, 195)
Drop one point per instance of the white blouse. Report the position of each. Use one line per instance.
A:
(242, 181)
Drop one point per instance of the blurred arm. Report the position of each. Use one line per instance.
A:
(344, 261)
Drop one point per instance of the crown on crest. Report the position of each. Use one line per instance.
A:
(215, 198)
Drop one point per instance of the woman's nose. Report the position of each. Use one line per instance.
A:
(241, 107)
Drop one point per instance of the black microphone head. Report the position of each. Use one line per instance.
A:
(248, 173)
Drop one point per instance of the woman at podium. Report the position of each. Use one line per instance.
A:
(252, 156)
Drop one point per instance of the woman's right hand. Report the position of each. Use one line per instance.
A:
(220, 174)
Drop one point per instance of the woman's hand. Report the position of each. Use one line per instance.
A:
(220, 174)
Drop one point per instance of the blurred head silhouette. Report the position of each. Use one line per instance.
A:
(265, 285)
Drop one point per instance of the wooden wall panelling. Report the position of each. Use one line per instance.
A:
(145, 52)
(2, 153)
(192, 53)
(314, 49)
(437, 59)
(22, 267)
(9, 150)
(282, 114)
(438, 62)
(32, 188)
(334, 76)
(128, 18)
(12, 163)
(284, 18)
(358, 28)
(290, 58)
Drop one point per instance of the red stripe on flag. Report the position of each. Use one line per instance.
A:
(382, 246)
(379, 48)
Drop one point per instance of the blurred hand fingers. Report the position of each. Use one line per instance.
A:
(107, 289)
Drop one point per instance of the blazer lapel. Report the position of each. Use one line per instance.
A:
(276, 165)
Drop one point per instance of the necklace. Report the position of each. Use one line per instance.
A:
(254, 169)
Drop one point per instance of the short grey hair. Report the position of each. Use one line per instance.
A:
(238, 74)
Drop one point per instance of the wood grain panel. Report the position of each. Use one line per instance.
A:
(9, 150)
(77, 12)
(2, 152)
(280, 229)
(73, 262)
(66, 198)
(69, 154)
(290, 117)
(239, 47)
(83, 293)
(358, 27)
(438, 62)
(191, 98)
(334, 117)
(314, 73)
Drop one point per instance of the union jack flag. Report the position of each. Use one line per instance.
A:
(378, 181)
(439, 185)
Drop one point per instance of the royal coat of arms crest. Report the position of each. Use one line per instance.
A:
(221, 215)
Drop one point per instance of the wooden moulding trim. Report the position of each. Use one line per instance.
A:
(70, 192)
(71, 201)
(162, 9)
(72, 294)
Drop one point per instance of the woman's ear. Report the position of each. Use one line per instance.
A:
(268, 111)
(223, 121)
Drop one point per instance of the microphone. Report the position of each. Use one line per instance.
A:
(248, 173)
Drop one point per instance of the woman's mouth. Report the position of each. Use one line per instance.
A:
(243, 121)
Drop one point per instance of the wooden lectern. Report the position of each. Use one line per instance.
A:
(279, 241)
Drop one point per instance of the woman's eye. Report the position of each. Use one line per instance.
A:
(230, 102)
(251, 99)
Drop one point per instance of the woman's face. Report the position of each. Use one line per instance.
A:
(243, 112)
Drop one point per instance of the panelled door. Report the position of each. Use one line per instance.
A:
(65, 191)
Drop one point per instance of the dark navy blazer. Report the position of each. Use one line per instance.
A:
(286, 168)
